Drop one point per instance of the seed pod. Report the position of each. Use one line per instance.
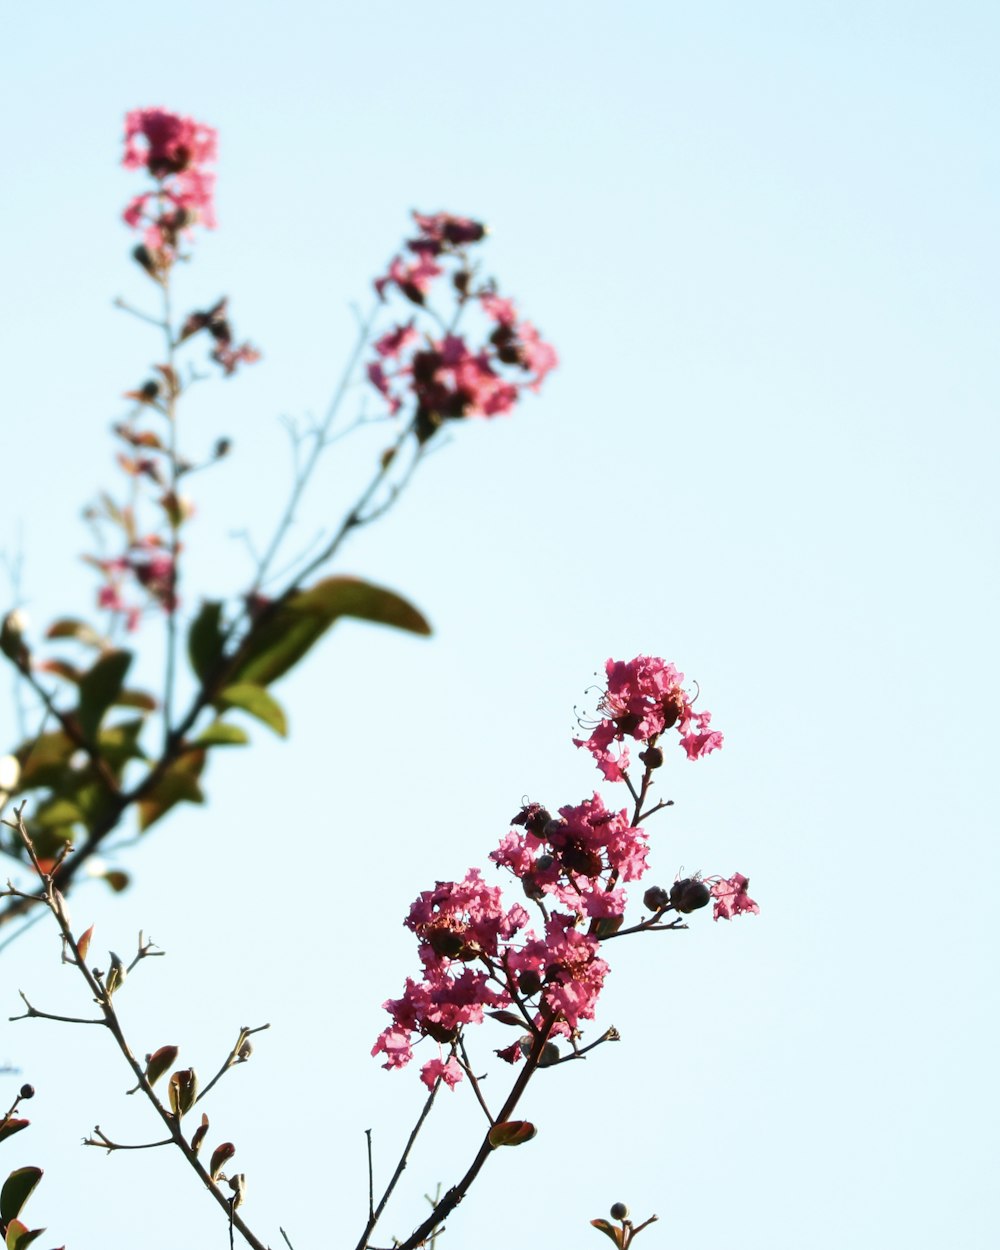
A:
(689, 894)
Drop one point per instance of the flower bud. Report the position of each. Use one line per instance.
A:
(26, 1092)
(652, 757)
(549, 1055)
(529, 983)
(536, 822)
(690, 894)
(656, 898)
(144, 257)
(553, 831)
(619, 1211)
(582, 860)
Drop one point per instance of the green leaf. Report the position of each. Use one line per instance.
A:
(70, 627)
(137, 698)
(19, 1237)
(100, 687)
(221, 734)
(282, 638)
(206, 639)
(120, 743)
(511, 1133)
(16, 1191)
(57, 813)
(178, 784)
(44, 759)
(256, 701)
(610, 1230)
(9, 1126)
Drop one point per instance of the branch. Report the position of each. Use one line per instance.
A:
(103, 997)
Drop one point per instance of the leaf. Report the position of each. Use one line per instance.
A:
(220, 1157)
(159, 1061)
(137, 698)
(120, 743)
(199, 1134)
(206, 639)
(178, 784)
(281, 638)
(511, 1133)
(19, 1237)
(68, 672)
(83, 943)
(183, 1091)
(70, 627)
(256, 701)
(43, 759)
(9, 1126)
(117, 879)
(16, 1191)
(507, 1017)
(610, 1230)
(57, 813)
(100, 687)
(222, 734)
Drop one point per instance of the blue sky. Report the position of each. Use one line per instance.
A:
(763, 239)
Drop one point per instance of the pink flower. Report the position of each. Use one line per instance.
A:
(175, 151)
(644, 697)
(440, 231)
(437, 1070)
(731, 897)
(413, 280)
(501, 310)
(166, 143)
(396, 341)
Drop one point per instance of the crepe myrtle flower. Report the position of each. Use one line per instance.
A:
(174, 150)
(643, 698)
(731, 897)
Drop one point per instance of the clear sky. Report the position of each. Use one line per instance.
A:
(764, 240)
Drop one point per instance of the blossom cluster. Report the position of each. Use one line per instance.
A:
(448, 375)
(175, 151)
(645, 697)
(151, 567)
(479, 957)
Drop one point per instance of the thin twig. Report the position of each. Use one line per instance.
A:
(56, 904)
(235, 1056)
(473, 1080)
(373, 1219)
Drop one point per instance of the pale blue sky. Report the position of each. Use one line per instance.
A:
(763, 238)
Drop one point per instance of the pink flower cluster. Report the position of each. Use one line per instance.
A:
(644, 697)
(445, 376)
(174, 150)
(216, 321)
(478, 956)
(151, 567)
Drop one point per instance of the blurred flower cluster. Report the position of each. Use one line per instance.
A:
(423, 362)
